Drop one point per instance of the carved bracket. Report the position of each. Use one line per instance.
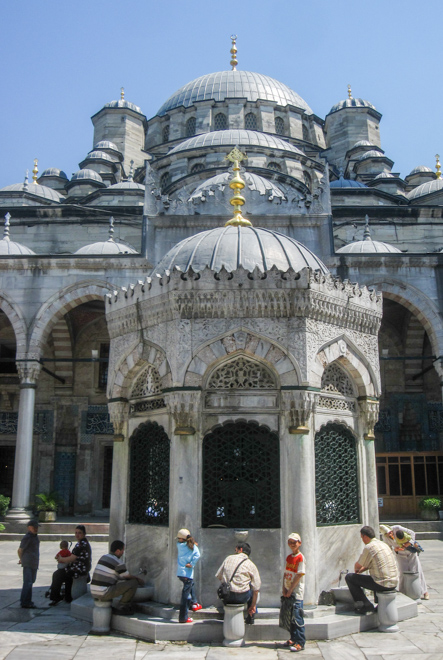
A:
(28, 372)
(369, 410)
(184, 407)
(298, 406)
(118, 413)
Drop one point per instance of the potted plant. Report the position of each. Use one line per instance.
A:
(429, 508)
(48, 506)
(4, 505)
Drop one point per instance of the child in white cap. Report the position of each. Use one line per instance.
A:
(291, 614)
(187, 557)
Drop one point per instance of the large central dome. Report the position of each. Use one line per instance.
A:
(234, 84)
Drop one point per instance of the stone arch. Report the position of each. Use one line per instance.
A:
(17, 321)
(57, 306)
(132, 364)
(242, 340)
(254, 374)
(342, 349)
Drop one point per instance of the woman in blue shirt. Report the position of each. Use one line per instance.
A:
(188, 556)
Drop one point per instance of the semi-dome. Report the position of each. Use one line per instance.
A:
(32, 188)
(234, 85)
(233, 247)
(254, 182)
(351, 103)
(54, 171)
(426, 189)
(233, 137)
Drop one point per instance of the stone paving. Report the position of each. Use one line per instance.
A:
(51, 633)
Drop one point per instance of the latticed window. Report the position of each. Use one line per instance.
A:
(336, 476)
(190, 127)
(149, 476)
(165, 180)
(241, 477)
(220, 122)
(251, 121)
(307, 180)
(336, 380)
(274, 166)
(166, 133)
(305, 133)
(279, 126)
(147, 383)
(241, 374)
(198, 167)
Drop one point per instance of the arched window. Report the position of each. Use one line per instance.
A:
(305, 133)
(149, 475)
(336, 476)
(198, 167)
(279, 126)
(147, 383)
(307, 180)
(165, 180)
(336, 380)
(166, 133)
(190, 127)
(241, 374)
(241, 477)
(274, 166)
(251, 121)
(220, 122)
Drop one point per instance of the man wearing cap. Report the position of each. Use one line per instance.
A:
(246, 583)
(29, 555)
(293, 589)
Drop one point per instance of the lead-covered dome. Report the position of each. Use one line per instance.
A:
(231, 247)
(426, 189)
(351, 103)
(254, 183)
(233, 137)
(234, 85)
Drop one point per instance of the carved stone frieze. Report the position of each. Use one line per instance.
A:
(185, 408)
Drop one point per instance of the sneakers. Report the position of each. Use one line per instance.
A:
(296, 648)
(189, 620)
(196, 607)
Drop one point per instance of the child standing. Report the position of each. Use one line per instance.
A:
(292, 595)
(188, 556)
(64, 552)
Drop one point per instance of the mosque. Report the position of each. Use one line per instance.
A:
(228, 319)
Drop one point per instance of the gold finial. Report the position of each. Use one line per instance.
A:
(35, 171)
(234, 60)
(122, 93)
(237, 184)
(437, 166)
(349, 92)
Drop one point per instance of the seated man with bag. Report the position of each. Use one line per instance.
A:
(240, 580)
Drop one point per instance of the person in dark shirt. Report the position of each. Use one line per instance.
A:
(78, 563)
(29, 555)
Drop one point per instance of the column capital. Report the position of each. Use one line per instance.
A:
(298, 406)
(184, 407)
(28, 372)
(369, 409)
(119, 414)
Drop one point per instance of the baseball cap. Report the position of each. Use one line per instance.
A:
(183, 533)
(294, 537)
(33, 523)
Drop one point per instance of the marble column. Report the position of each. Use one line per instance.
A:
(371, 485)
(119, 415)
(21, 491)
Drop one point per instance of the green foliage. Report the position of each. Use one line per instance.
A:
(4, 504)
(2, 527)
(433, 503)
(48, 501)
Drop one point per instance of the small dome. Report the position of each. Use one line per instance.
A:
(88, 175)
(9, 248)
(363, 143)
(127, 185)
(253, 182)
(121, 103)
(234, 85)
(368, 246)
(109, 247)
(346, 183)
(231, 138)
(419, 169)
(384, 175)
(99, 155)
(54, 171)
(425, 189)
(106, 144)
(233, 247)
(35, 189)
(371, 154)
(351, 103)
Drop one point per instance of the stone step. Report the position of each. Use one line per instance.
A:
(65, 528)
(17, 536)
(328, 625)
(418, 525)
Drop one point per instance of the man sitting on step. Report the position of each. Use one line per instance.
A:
(112, 579)
(244, 579)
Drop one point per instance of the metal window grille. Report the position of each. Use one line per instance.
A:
(220, 122)
(251, 121)
(149, 476)
(198, 167)
(165, 180)
(166, 133)
(336, 476)
(190, 127)
(274, 166)
(241, 477)
(279, 126)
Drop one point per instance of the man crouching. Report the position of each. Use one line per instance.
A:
(112, 579)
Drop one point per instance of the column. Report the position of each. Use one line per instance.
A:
(369, 410)
(119, 415)
(21, 492)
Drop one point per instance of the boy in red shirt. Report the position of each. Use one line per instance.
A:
(64, 552)
(293, 589)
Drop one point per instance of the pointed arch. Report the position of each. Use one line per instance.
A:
(17, 321)
(132, 363)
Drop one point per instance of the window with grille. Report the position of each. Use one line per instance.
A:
(241, 477)
(307, 180)
(305, 133)
(279, 126)
(336, 476)
(166, 133)
(274, 166)
(251, 121)
(165, 180)
(198, 167)
(149, 475)
(190, 127)
(220, 122)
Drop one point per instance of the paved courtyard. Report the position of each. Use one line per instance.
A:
(51, 633)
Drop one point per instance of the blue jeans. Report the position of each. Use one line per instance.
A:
(187, 599)
(298, 626)
(29, 576)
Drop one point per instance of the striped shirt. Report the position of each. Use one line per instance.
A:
(379, 559)
(109, 570)
(246, 576)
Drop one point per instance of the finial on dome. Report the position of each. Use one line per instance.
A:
(25, 182)
(349, 92)
(341, 172)
(35, 171)
(237, 184)
(131, 171)
(366, 233)
(437, 166)
(111, 229)
(122, 93)
(7, 225)
(234, 60)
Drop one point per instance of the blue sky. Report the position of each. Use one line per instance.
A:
(61, 62)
